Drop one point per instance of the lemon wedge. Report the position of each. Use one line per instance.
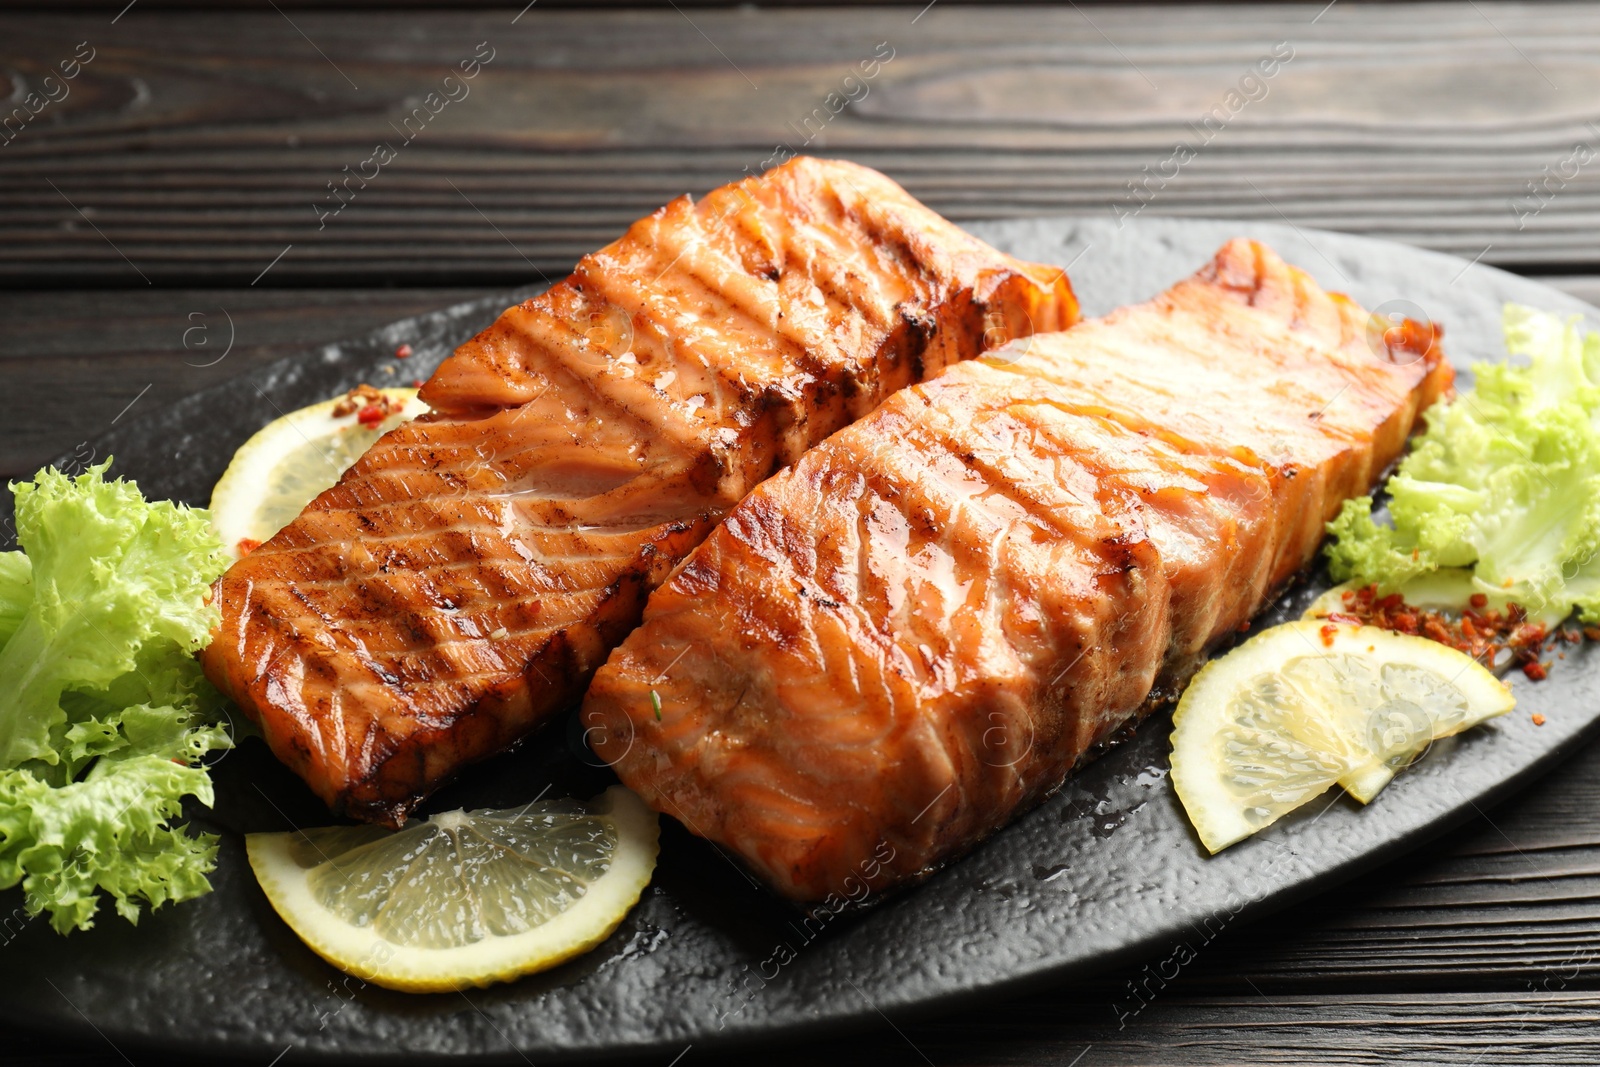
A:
(1299, 707)
(463, 898)
(280, 470)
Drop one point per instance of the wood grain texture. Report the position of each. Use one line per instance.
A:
(195, 145)
(73, 361)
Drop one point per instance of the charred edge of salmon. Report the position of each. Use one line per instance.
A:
(389, 795)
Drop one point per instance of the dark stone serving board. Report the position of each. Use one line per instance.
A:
(1105, 873)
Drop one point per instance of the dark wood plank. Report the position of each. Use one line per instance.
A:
(198, 144)
(74, 361)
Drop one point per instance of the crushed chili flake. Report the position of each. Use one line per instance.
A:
(1328, 633)
(1482, 634)
(1538, 720)
(370, 406)
(403, 352)
(416, 383)
(246, 545)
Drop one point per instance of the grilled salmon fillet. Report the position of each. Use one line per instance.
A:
(469, 572)
(886, 652)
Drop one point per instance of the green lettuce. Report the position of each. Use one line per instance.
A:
(16, 589)
(1505, 481)
(105, 716)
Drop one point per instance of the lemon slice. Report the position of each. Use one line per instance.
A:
(1298, 707)
(463, 898)
(280, 470)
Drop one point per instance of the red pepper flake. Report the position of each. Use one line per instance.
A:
(1488, 636)
(403, 352)
(1329, 632)
(1434, 629)
(246, 546)
(1244, 627)
(1528, 635)
(416, 383)
(1538, 720)
(363, 399)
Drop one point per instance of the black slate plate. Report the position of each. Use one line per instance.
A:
(1106, 873)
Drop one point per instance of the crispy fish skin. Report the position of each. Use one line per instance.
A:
(914, 634)
(467, 575)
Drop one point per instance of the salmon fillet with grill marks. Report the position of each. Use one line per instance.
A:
(469, 572)
(885, 653)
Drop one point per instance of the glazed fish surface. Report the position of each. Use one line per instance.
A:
(468, 573)
(917, 632)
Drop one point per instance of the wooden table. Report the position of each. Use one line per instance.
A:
(179, 195)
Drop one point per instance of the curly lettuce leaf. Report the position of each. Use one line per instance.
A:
(111, 574)
(107, 832)
(1505, 480)
(105, 716)
(148, 710)
(16, 590)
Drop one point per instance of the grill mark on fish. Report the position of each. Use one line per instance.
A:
(1036, 550)
(559, 478)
